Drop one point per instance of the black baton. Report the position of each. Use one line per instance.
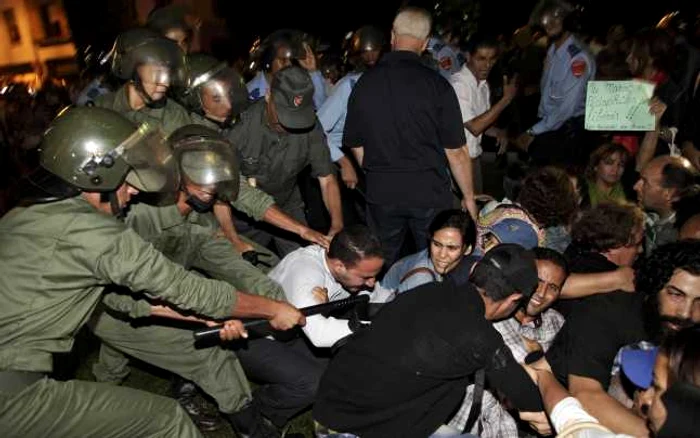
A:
(210, 332)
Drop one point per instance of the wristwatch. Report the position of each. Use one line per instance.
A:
(534, 356)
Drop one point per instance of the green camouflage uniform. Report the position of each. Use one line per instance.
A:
(193, 246)
(56, 260)
(169, 118)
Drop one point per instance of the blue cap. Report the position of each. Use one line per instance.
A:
(516, 231)
(638, 366)
(507, 223)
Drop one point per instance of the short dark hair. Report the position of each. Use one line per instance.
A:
(548, 196)
(489, 278)
(457, 219)
(553, 256)
(607, 226)
(507, 269)
(353, 244)
(677, 175)
(481, 40)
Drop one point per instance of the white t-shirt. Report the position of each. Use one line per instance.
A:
(302, 270)
(474, 99)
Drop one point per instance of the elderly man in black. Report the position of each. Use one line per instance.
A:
(404, 126)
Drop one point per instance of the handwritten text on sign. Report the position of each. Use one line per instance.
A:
(619, 106)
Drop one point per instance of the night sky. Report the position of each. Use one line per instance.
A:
(99, 21)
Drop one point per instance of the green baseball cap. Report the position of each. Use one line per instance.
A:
(292, 93)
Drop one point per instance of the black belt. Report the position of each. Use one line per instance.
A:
(16, 381)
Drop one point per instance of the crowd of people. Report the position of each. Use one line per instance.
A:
(171, 195)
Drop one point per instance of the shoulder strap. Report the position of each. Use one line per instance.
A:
(414, 271)
(477, 398)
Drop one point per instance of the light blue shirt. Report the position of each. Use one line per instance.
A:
(448, 59)
(333, 112)
(392, 279)
(257, 87)
(566, 74)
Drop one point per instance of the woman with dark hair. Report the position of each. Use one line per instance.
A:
(452, 238)
(603, 177)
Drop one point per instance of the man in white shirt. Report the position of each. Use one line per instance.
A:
(349, 267)
(478, 116)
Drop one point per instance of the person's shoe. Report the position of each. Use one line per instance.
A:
(186, 395)
(249, 423)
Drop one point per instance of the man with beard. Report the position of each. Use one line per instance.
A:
(533, 327)
(350, 265)
(583, 353)
(670, 281)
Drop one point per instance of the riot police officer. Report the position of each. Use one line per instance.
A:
(216, 97)
(172, 22)
(281, 49)
(59, 252)
(150, 64)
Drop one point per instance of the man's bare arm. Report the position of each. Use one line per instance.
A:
(606, 409)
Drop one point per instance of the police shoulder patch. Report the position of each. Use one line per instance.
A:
(446, 63)
(578, 67)
(255, 94)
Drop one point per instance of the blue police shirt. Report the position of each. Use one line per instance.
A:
(333, 112)
(257, 87)
(566, 74)
(448, 59)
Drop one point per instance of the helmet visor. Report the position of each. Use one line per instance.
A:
(210, 163)
(224, 95)
(167, 62)
(151, 160)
